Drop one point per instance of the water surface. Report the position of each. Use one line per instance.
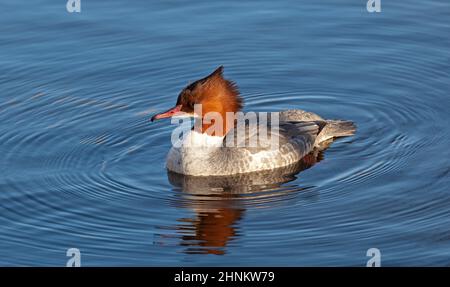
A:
(82, 166)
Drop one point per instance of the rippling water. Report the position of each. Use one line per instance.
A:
(83, 167)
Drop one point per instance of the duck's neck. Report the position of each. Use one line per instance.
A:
(218, 115)
(217, 123)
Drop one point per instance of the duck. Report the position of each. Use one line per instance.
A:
(219, 144)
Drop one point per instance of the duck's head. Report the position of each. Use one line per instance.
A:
(214, 93)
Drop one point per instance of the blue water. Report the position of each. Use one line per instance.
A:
(82, 166)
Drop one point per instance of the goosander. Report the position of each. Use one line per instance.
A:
(204, 150)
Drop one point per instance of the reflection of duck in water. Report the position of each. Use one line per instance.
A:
(219, 203)
(206, 150)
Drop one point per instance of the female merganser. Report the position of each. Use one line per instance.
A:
(205, 150)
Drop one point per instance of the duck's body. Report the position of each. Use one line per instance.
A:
(299, 133)
(296, 134)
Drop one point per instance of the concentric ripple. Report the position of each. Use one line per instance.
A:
(82, 166)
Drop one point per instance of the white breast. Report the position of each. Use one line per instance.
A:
(190, 155)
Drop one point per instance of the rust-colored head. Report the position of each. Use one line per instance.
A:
(214, 93)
